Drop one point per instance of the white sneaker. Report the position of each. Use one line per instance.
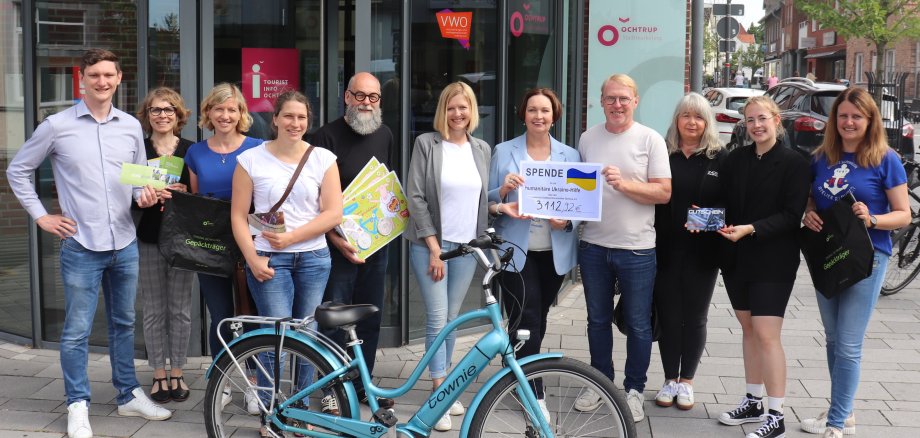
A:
(832, 432)
(819, 424)
(252, 401)
(684, 396)
(143, 407)
(635, 400)
(666, 395)
(225, 398)
(588, 400)
(456, 408)
(78, 420)
(544, 410)
(444, 424)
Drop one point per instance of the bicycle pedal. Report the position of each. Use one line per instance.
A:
(385, 417)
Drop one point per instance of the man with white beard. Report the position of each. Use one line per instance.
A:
(355, 139)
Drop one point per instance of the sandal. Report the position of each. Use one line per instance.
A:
(269, 430)
(178, 394)
(162, 390)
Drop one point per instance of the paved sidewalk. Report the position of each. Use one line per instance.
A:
(887, 405)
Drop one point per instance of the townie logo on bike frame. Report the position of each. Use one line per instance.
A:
(610, 34)
(456, 384)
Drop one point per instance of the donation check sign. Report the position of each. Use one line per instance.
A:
(559, 190)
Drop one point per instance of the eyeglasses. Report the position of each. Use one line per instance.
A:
(610, 100)
(157, 111)
(360, 96)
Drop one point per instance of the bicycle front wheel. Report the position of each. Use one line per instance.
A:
(232, 405)
(904, 263)
(561, 381)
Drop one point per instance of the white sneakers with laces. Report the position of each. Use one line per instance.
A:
(684, 396)
(588, 400)
(456, 408)
(142, 406)
(252, 401)
(666, 395)
(819, 424)
(78, 420)
(635, 400)
(445, 423)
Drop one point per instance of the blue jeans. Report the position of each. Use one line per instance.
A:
(634, 270)
(845, 318)
(83, 271)
(359, 284)
(218, 297)
(295, 291)
(442, 299)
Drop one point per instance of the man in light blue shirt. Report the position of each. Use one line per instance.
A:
(87, 144)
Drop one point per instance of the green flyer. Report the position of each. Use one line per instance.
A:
(139, 175)
(171, 165)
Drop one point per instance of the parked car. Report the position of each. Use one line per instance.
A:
(725, 105)
(804, 106)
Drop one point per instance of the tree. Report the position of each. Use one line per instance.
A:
(882, 22)
(751, 56)
(710, 47)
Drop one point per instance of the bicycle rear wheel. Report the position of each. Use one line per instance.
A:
(904, 264)
(300, 366)
(502, 413)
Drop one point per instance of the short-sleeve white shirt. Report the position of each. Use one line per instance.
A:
(270, 177)
(460, 190)
(641, 154)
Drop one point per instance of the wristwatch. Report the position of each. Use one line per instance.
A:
(498, 209)
(873, 221)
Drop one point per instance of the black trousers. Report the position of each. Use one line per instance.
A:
(527, 298)
(683, 292)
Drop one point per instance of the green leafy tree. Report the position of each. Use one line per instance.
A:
(751, 56)
(710, 47)
(882, 22)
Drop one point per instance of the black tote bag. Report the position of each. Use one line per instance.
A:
(195, 235)
(841, 254)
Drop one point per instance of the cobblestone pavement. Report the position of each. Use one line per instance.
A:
(887, 405)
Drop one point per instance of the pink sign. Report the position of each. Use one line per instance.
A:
(266, 74)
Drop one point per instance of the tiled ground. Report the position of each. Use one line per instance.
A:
(888, 401)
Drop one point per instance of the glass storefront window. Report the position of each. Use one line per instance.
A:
(65, 31)
(531, 54)
(15, 296)
(163, 45)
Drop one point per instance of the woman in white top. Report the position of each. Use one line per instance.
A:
(446, 187)
(287, 271)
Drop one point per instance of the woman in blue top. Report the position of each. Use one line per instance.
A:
(547, 246)
(211, 163)
(854, 158)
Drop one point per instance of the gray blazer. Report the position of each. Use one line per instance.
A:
(423, 186)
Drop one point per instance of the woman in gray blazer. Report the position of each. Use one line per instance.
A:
(446, 188)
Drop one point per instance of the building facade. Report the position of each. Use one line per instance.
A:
(415, 47)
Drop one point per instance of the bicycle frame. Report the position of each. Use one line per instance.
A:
(494, 343)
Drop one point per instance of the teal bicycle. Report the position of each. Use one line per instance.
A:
(292, 372)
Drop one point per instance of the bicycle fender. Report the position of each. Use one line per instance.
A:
(474, 405)
(332, 359)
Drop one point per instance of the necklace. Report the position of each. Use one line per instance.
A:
(223, 158)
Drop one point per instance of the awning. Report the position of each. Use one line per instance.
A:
(838, 54)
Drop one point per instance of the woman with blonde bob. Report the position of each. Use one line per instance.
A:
(687, 262)
(854, 158)
(165, 293)
(446, 190)
(765, 189)
(211, 164)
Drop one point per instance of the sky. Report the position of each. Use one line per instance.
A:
(753, 11)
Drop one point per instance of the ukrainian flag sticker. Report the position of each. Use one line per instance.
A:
(586, 180)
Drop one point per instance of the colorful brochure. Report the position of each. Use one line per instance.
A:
(376, 213)
(139, 175)
(171, 165)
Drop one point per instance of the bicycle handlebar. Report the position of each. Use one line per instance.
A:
(489, 240)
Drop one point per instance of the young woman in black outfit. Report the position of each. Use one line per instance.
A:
(765, 191)
(687, 262)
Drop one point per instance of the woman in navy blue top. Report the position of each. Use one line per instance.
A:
(211, 164)
(854, 158)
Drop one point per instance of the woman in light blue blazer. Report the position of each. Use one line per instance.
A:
(548, 246)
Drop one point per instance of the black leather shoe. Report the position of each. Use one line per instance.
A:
(179, 394)
(383, 402)
(162, 387)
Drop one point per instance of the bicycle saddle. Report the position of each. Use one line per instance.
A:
(331, 314)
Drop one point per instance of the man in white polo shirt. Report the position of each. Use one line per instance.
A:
(620, 249)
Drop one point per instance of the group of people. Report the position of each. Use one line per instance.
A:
(457, 185)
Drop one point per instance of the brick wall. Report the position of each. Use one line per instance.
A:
(905, 61)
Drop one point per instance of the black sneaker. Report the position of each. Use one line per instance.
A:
(772, 427)
(750, 410)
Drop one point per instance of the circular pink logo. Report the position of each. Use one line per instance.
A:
(517, 24)
(604, 39)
